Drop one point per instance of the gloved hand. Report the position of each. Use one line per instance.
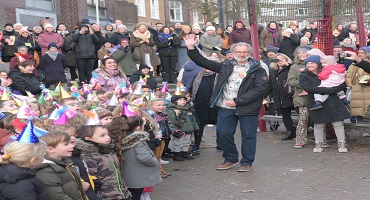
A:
(178, 133)
(158, 142)
(127, 49)
(132, 49)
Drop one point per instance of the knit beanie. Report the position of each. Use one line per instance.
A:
(196, 26)
(83, 25)
(367, 49)
(289, 30)
(174, 98)
(121, 26)
(8, 24)
(314, 58)
(271, 50)
(210, 28)
(304, 38)
(304, 48)
(52, 45)
(330, 60)
(185, 27)
(22, 31)
(85, 21)
(317, 52)
(48, 25)
(102, 113)
(292, 24)
(143, 66)
(238, 21)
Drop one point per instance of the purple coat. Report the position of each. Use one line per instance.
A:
(240, 35)
(108, 82)
(46, 38)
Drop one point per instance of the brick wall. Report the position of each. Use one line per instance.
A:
(7, 10)
(127, 12)
(68, 18)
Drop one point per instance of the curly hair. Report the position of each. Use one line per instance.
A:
(77, 121)
(46, 108)
(118, 129)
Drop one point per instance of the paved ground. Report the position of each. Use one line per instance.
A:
(279, 172)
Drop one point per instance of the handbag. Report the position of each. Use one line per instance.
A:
(289, 90)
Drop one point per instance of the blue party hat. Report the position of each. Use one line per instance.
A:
(28, 135)
(39, 131)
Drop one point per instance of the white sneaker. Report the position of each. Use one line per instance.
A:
(318, 148)
(163, 162)
(342, 147)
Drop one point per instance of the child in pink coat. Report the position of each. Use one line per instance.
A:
(332, 75)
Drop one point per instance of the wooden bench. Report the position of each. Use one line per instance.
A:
(361, 127)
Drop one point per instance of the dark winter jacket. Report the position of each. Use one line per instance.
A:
(191, 70)
(167, 48)
(252, 88)
(60, 179)
(117, 37)
(8, 50)
(332, 109)
(365, 65)
(54, 69)
(23, 82)
(80, 166)
(345, 34)
(126, 59)
(104, 165)
(240, 35)
(182, 118)
(101, 40)
(85, 45)
(277, 79)
(151, 82)
(20, 183)
(69, 50)
(28, 42)
(288, 45)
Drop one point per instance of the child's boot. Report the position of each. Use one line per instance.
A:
(342, 147)
(186, 155)
(177, 156)
(318, 148)
(316, 106)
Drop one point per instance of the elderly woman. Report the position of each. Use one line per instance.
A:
(333, 110)
(49, 36)
(299, 98)
(360, 99)
(210, 41)
(109, 76)
(168, 44)
(143, 42)
(270, 36)
(283, 102)
(25, 78)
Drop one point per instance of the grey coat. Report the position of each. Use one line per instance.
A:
(183, 56)
(126, 60)
(210, 41)
(141, 168)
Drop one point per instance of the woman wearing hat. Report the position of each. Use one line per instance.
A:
(360, 98)
(299, 98)
(24, 39)
(49, 36)
(109, 75)
(119, 34)
(108, 29)
(8, 42)
(168, 43)
(270, 36)
(126, 57)
(210, 41)
(333, 110)
(240, 33)
(289, 43)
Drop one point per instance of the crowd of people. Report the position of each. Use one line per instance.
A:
(104, 135)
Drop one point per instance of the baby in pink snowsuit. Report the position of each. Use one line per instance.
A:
(332, 75)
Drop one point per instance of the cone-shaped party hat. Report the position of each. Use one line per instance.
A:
(164, 87)
(93, 119)
(139, 88)
(63, 94)
(24, 112)
(28, 135)
(113, 100)
(39, 131)
(127, 110)
(62, 119)
(5, 95)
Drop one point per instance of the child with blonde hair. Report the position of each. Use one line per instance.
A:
(17, 178)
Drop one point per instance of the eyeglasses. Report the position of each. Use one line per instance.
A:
(74, 104)
(241, 52)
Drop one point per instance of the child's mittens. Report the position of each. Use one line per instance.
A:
(178, 133)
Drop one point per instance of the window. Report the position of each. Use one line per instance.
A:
(141, 8)
(154, 9)
(281, 12)
(41, 4)
(91, 9)
(195, 16)
(243, 13)
(274, 12)
(175, 11)
(267, 11)
(301, 12)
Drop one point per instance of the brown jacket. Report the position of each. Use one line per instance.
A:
(144, 48)
(266, 38)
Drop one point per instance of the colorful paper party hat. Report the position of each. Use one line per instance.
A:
(127, 110)
(28, 135)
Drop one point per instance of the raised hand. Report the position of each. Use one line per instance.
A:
(190, 40)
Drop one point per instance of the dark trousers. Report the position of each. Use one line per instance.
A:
(136, 193)
(85, 68)
(7, 58)
(169, 71)
(199, 134)
(287, 117)
(72, 71)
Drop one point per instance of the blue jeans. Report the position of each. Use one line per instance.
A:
(227, 122)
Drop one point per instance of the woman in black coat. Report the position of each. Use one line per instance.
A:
(201, 90)
(289, 43)
(24, 79)
(333, 109)
(26, 40)
(167, 43)
(282, 102)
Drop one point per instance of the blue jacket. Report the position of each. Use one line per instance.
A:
(191, 71)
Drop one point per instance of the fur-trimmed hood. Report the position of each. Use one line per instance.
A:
(133, 139)
(91, 147)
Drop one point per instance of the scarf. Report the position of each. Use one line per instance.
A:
(112, 72)
(352, 46)
(274, 36)
(144, 35)
(63, 33)
(24, 56)
(164, 37)
(53, 55)
(198, 80)
(102, 148)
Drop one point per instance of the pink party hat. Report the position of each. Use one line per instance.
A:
(24, 112)
(164, 87)
(127, 110)
(63, 119)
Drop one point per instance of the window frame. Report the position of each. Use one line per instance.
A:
(101, 8)
(31, 4)
(154, 9)
(176, 11)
